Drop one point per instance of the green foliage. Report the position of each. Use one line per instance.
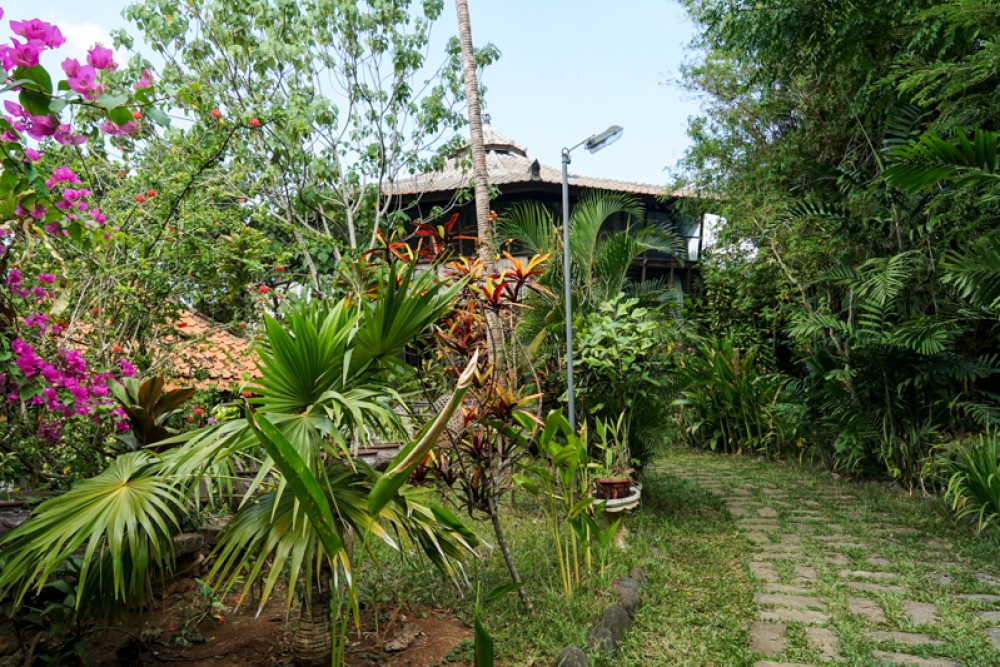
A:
(856, 239)
(625, 365)
(729, 402)
(148, 408)
(972, 473)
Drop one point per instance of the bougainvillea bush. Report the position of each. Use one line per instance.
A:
(56, 412)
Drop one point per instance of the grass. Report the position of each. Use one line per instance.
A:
(698, 603)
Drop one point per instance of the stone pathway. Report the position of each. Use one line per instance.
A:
(824, 572)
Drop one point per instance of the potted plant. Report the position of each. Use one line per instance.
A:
(614, 470)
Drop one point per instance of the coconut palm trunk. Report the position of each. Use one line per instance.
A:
(477, 148)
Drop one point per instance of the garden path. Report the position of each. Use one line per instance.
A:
(843, 576)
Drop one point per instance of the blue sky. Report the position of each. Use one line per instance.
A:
(569, 69)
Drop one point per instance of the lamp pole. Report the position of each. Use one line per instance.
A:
(593, 144)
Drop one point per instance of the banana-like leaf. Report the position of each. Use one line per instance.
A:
(410, 457)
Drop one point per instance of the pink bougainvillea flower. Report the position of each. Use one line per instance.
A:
(46, 278)
(83, 79)
(39, 31)
(71, 66)
(43, 126)
(32, 154)
(15, 109)
(102, 58)
(127, 130)
(21, 55)
(145, 81)
(67, 138)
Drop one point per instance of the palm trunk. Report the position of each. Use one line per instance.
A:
(312, 645)
(477, 147)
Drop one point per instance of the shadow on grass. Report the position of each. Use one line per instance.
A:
(680, 500)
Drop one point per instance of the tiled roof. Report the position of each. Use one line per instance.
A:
(508, 163)
(205, 355)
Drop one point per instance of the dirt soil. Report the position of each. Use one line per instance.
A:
(173, 635)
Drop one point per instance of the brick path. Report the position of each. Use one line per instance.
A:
(817, 570)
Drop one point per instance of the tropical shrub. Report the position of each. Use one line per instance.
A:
(730, 403)
(971, 469)
(625, 368)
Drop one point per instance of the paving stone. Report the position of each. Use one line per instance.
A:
(824, 642)
(781, 548)
(907, 659)
(991, 616)
(847, 545)
(993, 634)
(908, 638)
(867, 608)
(940, 580)
(777, 555)
(738, 511)
(804, 527)
(838, 559)
(805, 616)
(771, 663)
(789, 538)
(806, 572)
(783, 600)
(758, 538)
(835, 528)
(988, 579)
(979, 597)
(876, 588)
(764, 571)
(837, 537)
(921, 613)
(865, 574)
(879, 561)
(785, 588)
(768, 638)
(767, 512)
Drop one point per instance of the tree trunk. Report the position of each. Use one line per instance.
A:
(477, 148)
(505, 550)
(312, 645)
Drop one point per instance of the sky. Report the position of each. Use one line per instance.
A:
(568, 70)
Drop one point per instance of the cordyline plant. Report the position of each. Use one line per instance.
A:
(479, 459)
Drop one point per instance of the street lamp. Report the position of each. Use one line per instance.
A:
(593, 144)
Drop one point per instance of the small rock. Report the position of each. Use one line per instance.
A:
(617, 620)
(600, 641)
(188, 543)
(9, 644)
(571, 657)
(403, 637)
(630, 599)
(638, 574)
(627, 582)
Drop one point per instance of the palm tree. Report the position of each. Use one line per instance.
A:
(476, 142)
(327, 378)
(600, 260)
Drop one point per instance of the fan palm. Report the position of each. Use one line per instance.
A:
(600, 261)
(327, 379)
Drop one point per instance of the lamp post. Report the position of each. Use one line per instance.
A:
(593, 144)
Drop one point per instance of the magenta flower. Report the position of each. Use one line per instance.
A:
(102, 58)
(145, 81)
(127, 130)
(43, 126)
(21, 55)
(15, 109)
(84, 81)
(71, 66)
(67, 138)
(39, 31)
(32, 154)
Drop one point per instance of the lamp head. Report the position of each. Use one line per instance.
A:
(599, 141)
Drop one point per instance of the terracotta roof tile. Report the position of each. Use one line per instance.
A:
(203, 354)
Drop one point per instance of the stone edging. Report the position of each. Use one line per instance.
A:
(615, 622)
